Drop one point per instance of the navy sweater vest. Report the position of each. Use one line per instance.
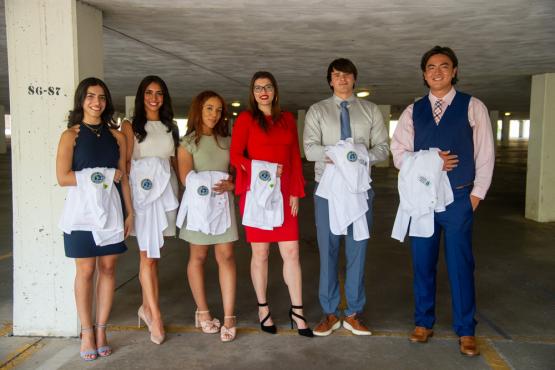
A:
(452, 133)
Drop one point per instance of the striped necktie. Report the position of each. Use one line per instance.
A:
(438, 109)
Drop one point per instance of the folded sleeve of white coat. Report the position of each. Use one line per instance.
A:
(424, 189)
(94, 205)
(353, 163)
(153, 196)
(264, 201)
(345, 184)
(201, 208)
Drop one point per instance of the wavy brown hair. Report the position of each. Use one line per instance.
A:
(76, 114)
(194, 122)
(257, 114)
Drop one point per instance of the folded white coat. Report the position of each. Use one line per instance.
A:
(264, 201)
(153, 196)
(201, 208)
(94, 205)
(424, 189)
(345, 184)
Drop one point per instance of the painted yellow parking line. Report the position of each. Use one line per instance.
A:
(531, 339)
(488, 351)
(21, 354)
(6, 329)
(490, 354)
(6, 256)
(283, 331)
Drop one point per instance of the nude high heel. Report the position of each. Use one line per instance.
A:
(207, 326)
(228, 334)
(156, 339)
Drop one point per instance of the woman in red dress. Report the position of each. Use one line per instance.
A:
(266, 133)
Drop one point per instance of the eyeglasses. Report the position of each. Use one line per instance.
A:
(268, 88)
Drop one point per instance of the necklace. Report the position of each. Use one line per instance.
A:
(96, 130)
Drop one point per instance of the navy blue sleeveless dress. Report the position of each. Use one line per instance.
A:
(91, 151)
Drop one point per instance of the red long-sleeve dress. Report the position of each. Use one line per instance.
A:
(279, 144)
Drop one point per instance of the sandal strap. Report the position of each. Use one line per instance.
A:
(207, 311)
(230, 317)
(228, 330)
(101, 326)
(92, 353)
(299, 316)
(293, 313)
(87, 329)
(228, 334)
(268, 315)
(266, 318)
(104, 348)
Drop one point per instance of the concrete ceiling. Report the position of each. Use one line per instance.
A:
(197, 45)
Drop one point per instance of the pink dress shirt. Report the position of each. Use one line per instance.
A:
(484, 154)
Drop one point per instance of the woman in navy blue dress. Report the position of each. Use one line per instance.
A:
(92, 140)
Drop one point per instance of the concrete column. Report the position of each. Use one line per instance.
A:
(386, 112)
(129, 106)
(520, 129)
(494, 117)
(301, 114)
(505, 130)
(52, 45)
(540, 177)
(3, 147)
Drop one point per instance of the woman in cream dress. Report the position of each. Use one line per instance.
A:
(153, 133)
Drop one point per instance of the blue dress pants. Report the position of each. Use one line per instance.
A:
(355, 253)
(456, 224)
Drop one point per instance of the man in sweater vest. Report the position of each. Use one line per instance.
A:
(458, 124)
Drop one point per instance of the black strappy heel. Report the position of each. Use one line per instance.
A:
(307, 332)
(272, 329)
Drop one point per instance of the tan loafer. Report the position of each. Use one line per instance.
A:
(421, 334)
(467, 346)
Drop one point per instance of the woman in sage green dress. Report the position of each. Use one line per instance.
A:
(206, 148)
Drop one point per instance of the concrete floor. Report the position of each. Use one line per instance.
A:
(515, 276)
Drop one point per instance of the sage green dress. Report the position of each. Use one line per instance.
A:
(208, 156)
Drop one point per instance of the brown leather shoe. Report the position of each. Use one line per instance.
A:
(355, 325)
(328, 324)
(467, 346)
(421, 334)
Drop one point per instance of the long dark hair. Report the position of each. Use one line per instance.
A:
(166, 110)
(76, 114)
(257, 114)
(194, 119)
